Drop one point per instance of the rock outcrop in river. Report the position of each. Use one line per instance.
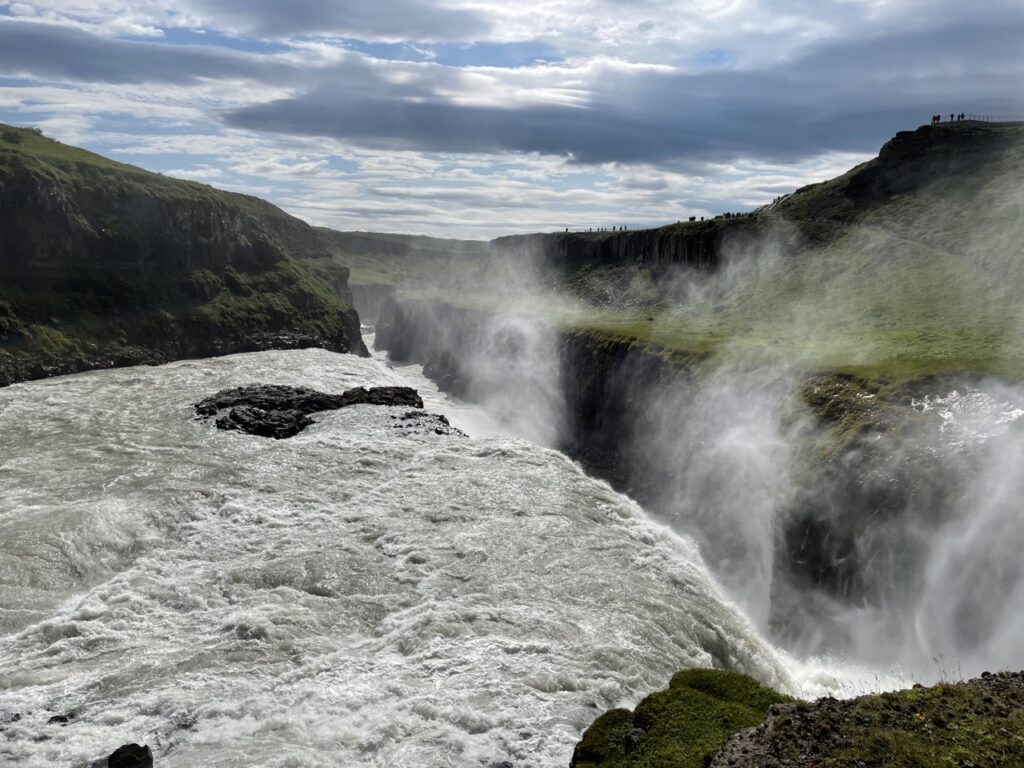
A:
(280, 412)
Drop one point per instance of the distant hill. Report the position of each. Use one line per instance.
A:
(102, 264)
(381, 259)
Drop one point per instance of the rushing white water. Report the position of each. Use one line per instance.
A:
(352, 596)
(974, 417)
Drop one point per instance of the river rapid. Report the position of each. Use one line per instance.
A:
(352, 596)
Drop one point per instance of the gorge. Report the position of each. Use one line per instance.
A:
(846, 458)
(808, 418)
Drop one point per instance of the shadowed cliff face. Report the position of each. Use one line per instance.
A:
(699, 245)
(104, 264)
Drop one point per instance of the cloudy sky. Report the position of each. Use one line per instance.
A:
(476, 118)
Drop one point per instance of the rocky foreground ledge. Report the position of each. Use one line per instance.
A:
(280, 412)
(727, 720)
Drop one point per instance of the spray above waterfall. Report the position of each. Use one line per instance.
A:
(749, 391)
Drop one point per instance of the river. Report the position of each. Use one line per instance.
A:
(352, 596)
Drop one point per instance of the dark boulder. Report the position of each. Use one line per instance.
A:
(421, 423)
(270, 397)
(271, 410)
(256, 421)
(401, 396)
(131, 756)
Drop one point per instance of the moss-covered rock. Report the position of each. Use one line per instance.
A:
(682, 727)
(975, 723)
(726, 720)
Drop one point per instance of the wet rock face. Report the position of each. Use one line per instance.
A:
(420, 423)
(279, 412)
(131, 756)
(268, 397)
(256, 421)
(394, 396)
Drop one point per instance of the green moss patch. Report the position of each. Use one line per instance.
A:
(681, 727)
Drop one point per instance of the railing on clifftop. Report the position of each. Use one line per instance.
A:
(982, 119)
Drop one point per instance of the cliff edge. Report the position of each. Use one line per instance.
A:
(104, 264)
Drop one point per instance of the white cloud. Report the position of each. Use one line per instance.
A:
(678, 108)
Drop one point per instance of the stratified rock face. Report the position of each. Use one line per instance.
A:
(131, 756)
(270, 410)
(699, 245)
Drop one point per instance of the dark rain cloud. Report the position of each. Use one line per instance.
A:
(51, 52)
(419, 20)
(845, 96)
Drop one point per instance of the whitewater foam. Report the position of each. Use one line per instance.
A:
(350, 596)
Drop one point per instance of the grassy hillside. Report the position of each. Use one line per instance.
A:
(387, 259)
(102, 264)
(909, 265)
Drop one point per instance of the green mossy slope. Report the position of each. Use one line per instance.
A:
(682, 727)
(375, 259)
(909, 265)
(105, 264)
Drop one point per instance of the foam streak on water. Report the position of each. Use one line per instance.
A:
(347, 597)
